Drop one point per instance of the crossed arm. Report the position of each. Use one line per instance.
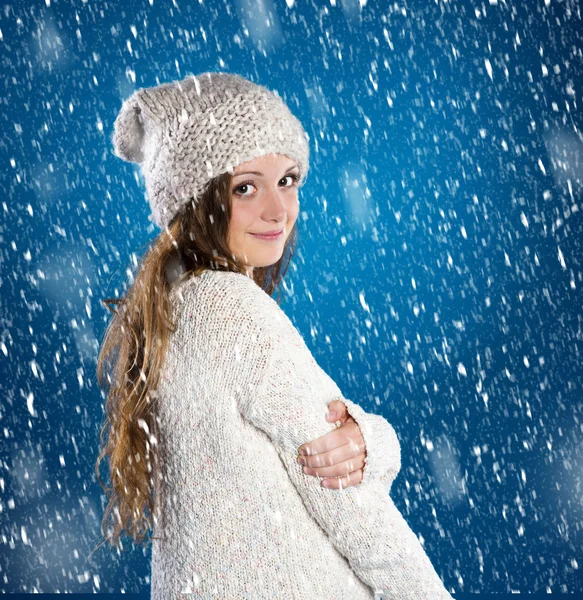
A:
(361, 521)
(364, 447)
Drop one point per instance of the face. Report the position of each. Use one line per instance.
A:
(263, 201)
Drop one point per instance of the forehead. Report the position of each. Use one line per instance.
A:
(265, 163)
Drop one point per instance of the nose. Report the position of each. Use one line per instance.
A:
(274, 206)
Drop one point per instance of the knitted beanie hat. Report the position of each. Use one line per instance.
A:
(184, 133)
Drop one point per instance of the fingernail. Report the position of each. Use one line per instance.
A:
(332, 415)
(326, 483)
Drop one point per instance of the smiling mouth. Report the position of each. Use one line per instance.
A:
(269, 236)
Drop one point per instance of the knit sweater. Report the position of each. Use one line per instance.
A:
(238, 518)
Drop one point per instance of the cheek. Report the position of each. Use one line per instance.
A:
(241, 221)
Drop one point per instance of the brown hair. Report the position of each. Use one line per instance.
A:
(134, 346)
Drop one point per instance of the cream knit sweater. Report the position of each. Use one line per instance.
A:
(238, 518)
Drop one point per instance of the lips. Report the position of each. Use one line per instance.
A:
(269, 236)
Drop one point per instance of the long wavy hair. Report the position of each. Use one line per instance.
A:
(134, 346)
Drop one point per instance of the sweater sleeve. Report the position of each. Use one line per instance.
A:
(253, 369)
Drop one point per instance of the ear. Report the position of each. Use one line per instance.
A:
(128, 134)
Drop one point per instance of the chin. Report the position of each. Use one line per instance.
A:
(265, 261)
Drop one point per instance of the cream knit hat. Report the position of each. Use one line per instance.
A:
(184, 133)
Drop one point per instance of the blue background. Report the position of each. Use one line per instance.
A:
(438, 277)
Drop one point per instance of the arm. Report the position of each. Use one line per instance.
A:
(362, 521)
(255, 370)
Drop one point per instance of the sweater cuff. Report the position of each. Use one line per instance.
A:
(383, 451)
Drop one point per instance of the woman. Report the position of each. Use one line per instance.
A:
(212, 391)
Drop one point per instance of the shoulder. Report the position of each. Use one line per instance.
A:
(218, 289)
(218, 302)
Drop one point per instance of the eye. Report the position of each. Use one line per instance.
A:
(294, 177)
(239, 187)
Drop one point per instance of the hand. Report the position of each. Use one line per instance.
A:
(339, 455)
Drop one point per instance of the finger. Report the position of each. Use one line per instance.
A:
(335, 471)
(331, 441)
(342, 483)
(328, 466)
(324, 443)
(338, 408)
(341, 410)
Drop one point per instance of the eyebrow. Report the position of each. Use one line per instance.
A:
(261, 174)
